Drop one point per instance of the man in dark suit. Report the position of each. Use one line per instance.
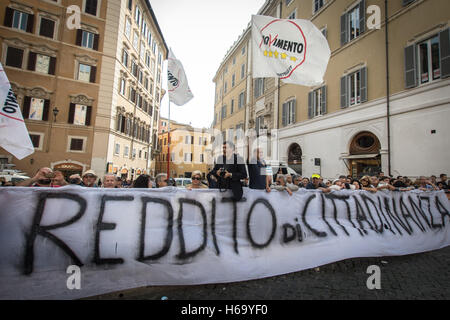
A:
(229, 170)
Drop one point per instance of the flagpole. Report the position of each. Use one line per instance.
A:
(168, 146)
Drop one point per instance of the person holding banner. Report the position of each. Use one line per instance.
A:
(257, 171)
(196, 181)
(316, 185)
(230, 170)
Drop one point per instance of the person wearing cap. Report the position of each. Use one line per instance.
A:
(316, 185)
(89, 178)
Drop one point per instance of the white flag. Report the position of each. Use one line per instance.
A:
(179, 92)
(293, 50)
(14, 136)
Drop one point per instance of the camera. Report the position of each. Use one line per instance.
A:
(222, 172)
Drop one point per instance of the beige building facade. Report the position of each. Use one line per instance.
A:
(189, 150)
(384, 103)
(90, 93)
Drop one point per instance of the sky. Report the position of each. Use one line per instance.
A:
(200, 32)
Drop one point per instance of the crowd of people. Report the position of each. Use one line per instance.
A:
(230, 172)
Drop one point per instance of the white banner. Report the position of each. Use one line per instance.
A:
(128, 238)
(14, 136)
(178, 87)
(293, 50)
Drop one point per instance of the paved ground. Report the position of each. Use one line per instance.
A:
(418, 276)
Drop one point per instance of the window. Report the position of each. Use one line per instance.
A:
(117, 148)
(136, 40)
(232, 106)
(289, 112)
(259, 87)
(84, 72)
(41, 63)
(188, 157)
(225, 87)
(241, 102)
(126, 150)
(317, 102)
(233, 80)
(127, 28)
(14, 57)
(134, 68)
(47, 28)
(125, 57)
(37, 140)
(87, 39)
(76, 144)
(224, 112)
(20, 20)
(293, 14)
(130, 5)
(35, 108)
(91, 7)
(243, 50)
(259, 124)
(80, 114)
(354, 88)
(202, 158)
(137, 16)
(142, 52)
(288, 2)
(243, 71)
(318, 4)
(353, 23)
(428, 60)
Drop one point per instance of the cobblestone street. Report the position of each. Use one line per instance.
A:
(418, 276)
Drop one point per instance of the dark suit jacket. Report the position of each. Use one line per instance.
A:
(237, 169)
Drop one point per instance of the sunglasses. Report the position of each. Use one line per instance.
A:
(195, 178)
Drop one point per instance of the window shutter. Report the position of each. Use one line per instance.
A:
(30, 23)
(362, 16)
(310, 105)
(444, 50)
(93, 73)
(410, 67)
(79, 37)
(323, 105)
(364, 84)
(96, 39)
(32, 61)
(52, 67)
(8, 17)
(284, 114)
(344, 99)
(87, 121)
(26, 107)
(71, 113)
(46, 110)
(294, 112)
(344, 36)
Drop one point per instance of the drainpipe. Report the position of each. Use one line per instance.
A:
(388, 115)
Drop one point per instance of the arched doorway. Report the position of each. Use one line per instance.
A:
(364, 156)
(295, 158)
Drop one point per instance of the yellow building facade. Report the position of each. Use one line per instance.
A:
(384, 98)
(189, 150)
